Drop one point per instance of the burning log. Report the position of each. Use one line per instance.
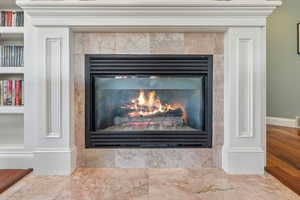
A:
(148, 104)
(149, 121)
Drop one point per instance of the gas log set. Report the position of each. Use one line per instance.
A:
(147, 112)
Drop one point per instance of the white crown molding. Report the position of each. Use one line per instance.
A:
(149, 13)
(152, 3)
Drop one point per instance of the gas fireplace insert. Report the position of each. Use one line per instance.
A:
(148, 101)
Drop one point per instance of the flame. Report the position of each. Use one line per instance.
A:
(141, 99)
(150, 104)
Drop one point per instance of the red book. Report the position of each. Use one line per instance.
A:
(18, 93)
(10, 18)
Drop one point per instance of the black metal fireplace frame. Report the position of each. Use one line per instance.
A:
(144, 65)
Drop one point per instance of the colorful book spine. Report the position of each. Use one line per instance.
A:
(11, 92)
(11, 18)
(11, 56)
(18, 103)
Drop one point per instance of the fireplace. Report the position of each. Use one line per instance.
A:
(59, 34)
(148, 101)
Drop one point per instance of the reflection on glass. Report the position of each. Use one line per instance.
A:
(149, 103)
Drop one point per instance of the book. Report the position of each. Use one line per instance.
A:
(11, 56)
(11, 18)
(11, 92)
(18, 103)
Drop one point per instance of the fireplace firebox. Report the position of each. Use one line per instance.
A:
(148, 101)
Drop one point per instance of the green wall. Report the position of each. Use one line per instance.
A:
(283, 62)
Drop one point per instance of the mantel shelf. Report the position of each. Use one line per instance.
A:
(11, 109)
(11, 70)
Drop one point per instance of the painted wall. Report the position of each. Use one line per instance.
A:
(283, 68)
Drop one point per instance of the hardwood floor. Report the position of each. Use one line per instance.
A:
(8, 177)
(283, 155)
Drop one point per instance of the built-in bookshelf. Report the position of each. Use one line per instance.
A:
(11, 110)
(11, 79)
(12, 93)
(11, 70)
(11, 55)
(12, 18)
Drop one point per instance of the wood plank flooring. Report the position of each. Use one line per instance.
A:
(8, 177)
(283, 155)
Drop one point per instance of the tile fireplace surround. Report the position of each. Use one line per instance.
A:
(59, 33)
(148, 43)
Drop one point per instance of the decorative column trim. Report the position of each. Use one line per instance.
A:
(243, 149)
(53, 86)
(245, 87)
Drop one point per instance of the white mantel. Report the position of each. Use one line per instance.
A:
(149, 12)
(48, 71)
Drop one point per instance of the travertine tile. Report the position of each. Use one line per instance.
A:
(130, 158)
(149, 184)
(79, 101)
(99, 158)
(200, 43)
(145, 43)
(132, 43)
(217, 153)
(79, 43)
(101, 43)
(219, 44)
(215, 185)
(179, 158)
(167, 43)
(95, 43)
(218, 101)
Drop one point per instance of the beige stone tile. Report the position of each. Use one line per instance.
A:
(149, 184)
(219, 44)
(167, 43)
(36, 187)
(179, 158)
(79, 43)
(218, 100)
(99, 158)
(130, 158)
(142, 43)
(100, 43)
(185, 183)
(199, 43)
(125, 184)
(217, 154)
(95, 43)
(132, 43)
(79, 103)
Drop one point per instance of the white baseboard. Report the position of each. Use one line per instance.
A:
(16, 160)
(54, 161)
(281, 121)
(243, 161)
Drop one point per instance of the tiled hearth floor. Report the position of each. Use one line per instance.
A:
(149, 184)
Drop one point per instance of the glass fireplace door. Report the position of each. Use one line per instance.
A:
(153, 103)
(148, 101)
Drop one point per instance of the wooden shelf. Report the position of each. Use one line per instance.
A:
(11, 70)
(11, 109)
